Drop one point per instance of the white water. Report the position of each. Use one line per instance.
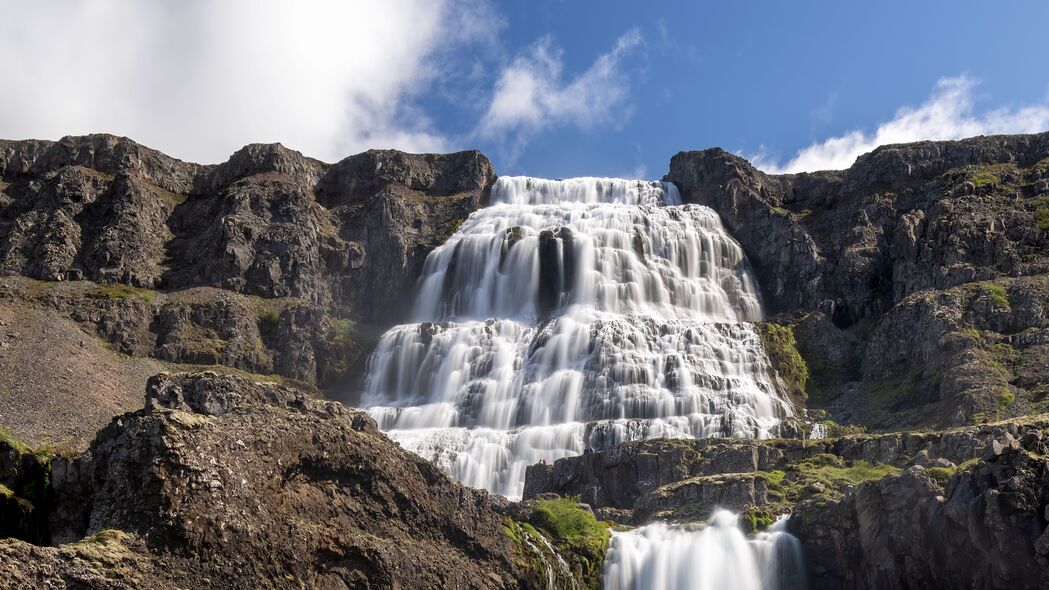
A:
(713, 557)
(573, 314)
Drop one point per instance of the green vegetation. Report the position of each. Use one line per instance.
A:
(782, 349)
(996, 293)
(121, 291)
(9, 439)
(755, 520)
(985, 178)
(1006, 398)
(569, 524)
(576, 533)
(25, 493)
(1041, 218)
(780, 211)
(823, 476)
(942, 475)
(269, 320)
(832, 470)
(342, 348)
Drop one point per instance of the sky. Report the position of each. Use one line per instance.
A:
(550, 88)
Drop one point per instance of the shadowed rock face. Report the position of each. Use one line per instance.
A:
(915, 280)
(259, 486)
(986, 528)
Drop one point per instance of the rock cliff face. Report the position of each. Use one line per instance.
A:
(268, 222)
(911, 290)
(915, 281)
(270, 263)
(983, 528)
(256, 485)
(962, 508)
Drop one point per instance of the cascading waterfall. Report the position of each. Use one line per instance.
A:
(572, 314)
(714, 556)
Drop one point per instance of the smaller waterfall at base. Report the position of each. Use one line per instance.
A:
(715, 556)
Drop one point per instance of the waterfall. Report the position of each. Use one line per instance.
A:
(708, 557)
(571, 314)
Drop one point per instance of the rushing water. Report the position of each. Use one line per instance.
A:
(572, 314)
(716, 556)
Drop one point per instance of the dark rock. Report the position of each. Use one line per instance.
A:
(258, 485)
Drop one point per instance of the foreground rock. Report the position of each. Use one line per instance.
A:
(223, 480)
(985, 527)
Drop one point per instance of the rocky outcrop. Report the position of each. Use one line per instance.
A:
(853, 253)
(336, 247)
(962, 508)
(984, 528)
(268, 222)
(260, 486)
(686, 479)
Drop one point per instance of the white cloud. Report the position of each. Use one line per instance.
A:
(199, 79)
(947, 114)
(530, 94)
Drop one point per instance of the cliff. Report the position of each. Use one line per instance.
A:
(223, 480)
(270, 263)
(915, 283)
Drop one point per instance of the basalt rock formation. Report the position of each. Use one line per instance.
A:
(915, 282)
(962, 508)
(224, 480)
(910, 291)
(270, 263)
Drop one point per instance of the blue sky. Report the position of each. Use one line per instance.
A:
(550, 88)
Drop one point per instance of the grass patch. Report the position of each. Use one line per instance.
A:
(121, 291)
(1041, 218)
(822, 477)
(566, 522)
(780, 211)
(831, 470)
(943, 475)
(10, 439)
(996, 293)
(755, 520)
(985, 178)
(577, 534)
(1005, 398)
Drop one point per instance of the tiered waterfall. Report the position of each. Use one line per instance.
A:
(572, 314)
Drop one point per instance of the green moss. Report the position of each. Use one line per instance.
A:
(985, 178)
(780, 211)
(831, 470)
(1041, 218)
(1006, 398)
(10, 439)
(822, 477)
(567, 523)
(121, 291)
(577, 534)
(268, 322)
(774, 477)
(755, 520)
(996, 293)
(943, 475)
(787, 362)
